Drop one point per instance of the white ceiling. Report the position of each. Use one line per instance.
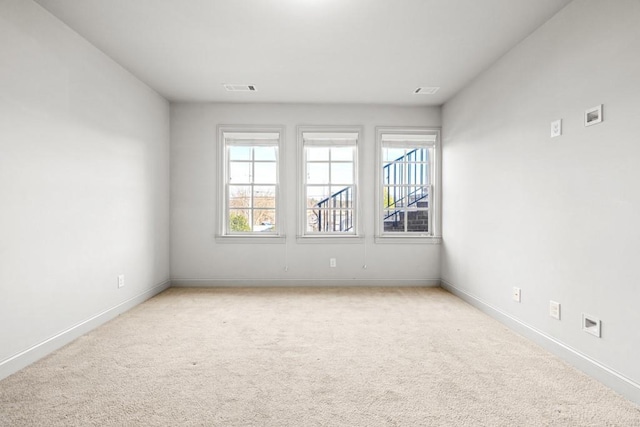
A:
(305, 51)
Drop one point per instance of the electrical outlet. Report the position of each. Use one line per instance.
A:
(554, 309)
(516, 294)
(332, 262)
(121, 281)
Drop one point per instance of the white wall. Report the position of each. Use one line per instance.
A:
(198, 259)
(84, 185)
(558, 217)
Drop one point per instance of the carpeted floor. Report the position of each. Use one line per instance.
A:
(306, 357)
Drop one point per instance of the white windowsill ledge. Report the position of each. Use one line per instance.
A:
(271, 239)
(415, 240)
(340, 239)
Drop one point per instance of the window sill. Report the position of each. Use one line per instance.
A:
(330, 239)
(418, 240)
(271, 239)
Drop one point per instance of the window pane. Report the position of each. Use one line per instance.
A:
(417, 173)
(265, 173)
(401, 200)
(313, 217)
(419, 196)
(264, 220)
(342, 153)
(389, 197)
(418, 221)
(239, 196)
(341, 197)
(239, 173)
(389, 172)
(413, 195)
(342, 173)
(315, 194)
(421, 173)
(330, 220)
(239, 153)
(265, 153)
(318, 173)
(264, 196)
(321, 220)
(340, 220)
(393, 197)
(393, 221)
(391, 154)
(317, 153)
(239, 220)
(391, 215)
(394, 173)
(420, 155)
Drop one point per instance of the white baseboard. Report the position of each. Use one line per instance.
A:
(216, 283)
(20, 360)
(608, 376)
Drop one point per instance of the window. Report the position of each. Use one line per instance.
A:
(329, 181)
(408, 184)
(250, 183)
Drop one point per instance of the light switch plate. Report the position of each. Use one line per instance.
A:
(556, 128)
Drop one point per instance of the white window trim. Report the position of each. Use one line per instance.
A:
(326, 131)
(245, 132)
(435, 205)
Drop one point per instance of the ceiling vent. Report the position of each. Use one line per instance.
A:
(426, 90)
(240, 88)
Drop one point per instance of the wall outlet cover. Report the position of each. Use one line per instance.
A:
(593, 116)
(591, 325)
(516, 294)
(554, 309)
(556, 128)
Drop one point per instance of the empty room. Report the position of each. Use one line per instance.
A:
(319, 213)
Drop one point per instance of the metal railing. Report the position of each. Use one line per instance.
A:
(414, 164)
(335, 213)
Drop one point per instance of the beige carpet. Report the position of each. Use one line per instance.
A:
(306, 357)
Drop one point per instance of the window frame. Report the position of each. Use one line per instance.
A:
(249, 132)
(434, 233)
(328, 132)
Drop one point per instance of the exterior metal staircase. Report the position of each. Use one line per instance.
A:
(335, 213)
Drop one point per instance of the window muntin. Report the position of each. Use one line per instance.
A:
(329, 183)
(407, 184)
(250, 183)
